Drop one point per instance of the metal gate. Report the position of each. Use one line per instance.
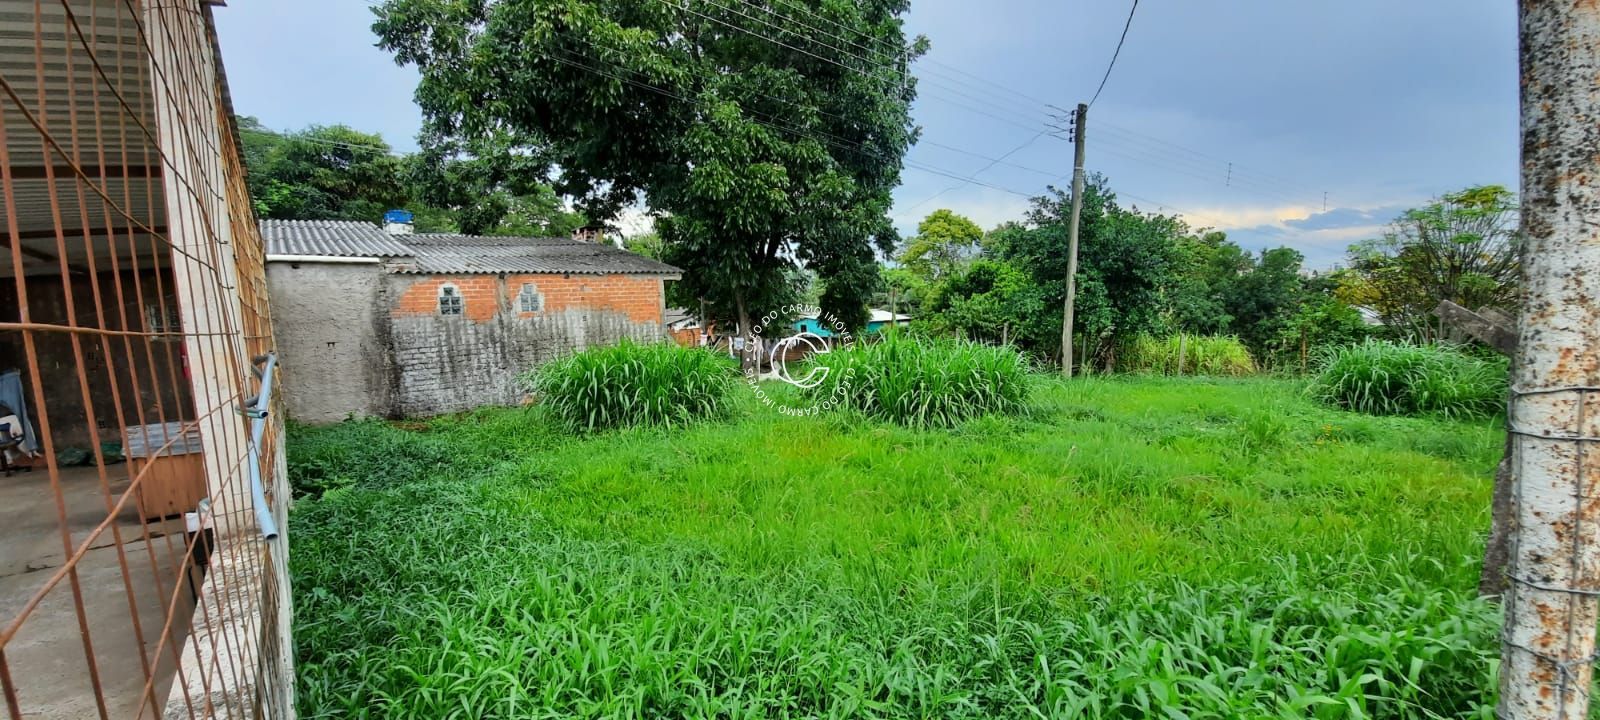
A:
(141, 571)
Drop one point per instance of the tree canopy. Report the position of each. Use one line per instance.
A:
(763, 147)
(943, 241)
(337, 173)
(1464, 247)
(326, 172)
(1139, 274)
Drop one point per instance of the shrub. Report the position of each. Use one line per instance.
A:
(1387, 378)
(630, 384)
(1201, 355)
(924, 382)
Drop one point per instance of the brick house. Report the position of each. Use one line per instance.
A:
(381, 322)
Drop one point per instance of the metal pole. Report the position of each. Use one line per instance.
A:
(1548, 644)
(1072, 238)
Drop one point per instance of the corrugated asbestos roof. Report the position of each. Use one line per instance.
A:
(330, 238)
(436, 253)
(454, 254)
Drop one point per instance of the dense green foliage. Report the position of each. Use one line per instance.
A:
(985, 300)
(944, 240)
(1124, 260)
(924, 382)
(1464, 247)
(1132, 548)
(1389, 378)
(1188, 355)
(337, 173)
(1140, 275)
(631, 384)
(760, 154)
(359, 452)
(321, 173)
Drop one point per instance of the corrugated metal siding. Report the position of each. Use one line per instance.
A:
(331, 238)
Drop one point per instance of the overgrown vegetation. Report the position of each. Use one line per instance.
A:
(1185, 354)
(1144, 273)
(1388, 378)
(631, 384)
(1131, 547)
(924, 382)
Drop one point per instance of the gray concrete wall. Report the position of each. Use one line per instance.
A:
(331, 347)
(450, 364)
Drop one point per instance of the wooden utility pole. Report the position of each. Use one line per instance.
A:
(1078, 122)
(1548, 645)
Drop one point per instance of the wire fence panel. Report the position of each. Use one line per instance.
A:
(142, 566)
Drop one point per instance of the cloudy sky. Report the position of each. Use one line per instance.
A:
(1245, 115)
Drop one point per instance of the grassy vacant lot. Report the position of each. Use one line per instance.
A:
(1130, 548)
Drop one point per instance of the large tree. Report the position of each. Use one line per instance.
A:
(1125, 263)
(768, 137)
(1464, 247)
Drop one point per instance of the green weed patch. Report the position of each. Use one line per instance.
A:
(1127, 547)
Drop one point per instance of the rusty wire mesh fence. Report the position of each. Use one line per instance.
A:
(141, 574)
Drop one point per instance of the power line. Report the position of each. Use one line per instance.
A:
(826, 137)
(1155, 156)
(685, 7)
(829, 138)
(981, 156)
(977, 83)
(1114, 54)
(938, 86)
(973, 178)
(1238, 169)
(816, 135)
(1201, 172)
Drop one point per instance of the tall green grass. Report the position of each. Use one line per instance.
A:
(1379, 377)
(1188, 355)
(630, 384)
(924, 382)
(1131, 547)
(463, 605)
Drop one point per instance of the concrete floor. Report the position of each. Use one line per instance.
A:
(47, 658)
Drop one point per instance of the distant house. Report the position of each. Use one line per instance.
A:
(877, 320)
(379, 321)
(684, 327)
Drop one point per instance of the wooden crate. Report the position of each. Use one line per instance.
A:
(175, 484)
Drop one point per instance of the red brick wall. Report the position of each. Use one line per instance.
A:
(485, 296)
(687, 337)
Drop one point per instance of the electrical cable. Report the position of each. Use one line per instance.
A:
(1115, 53)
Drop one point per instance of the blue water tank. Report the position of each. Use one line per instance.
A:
(397, 216)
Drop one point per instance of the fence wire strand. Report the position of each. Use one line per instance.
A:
(1574, 675)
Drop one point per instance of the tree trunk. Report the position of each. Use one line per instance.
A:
(1497, 551)
(1548, 643)
(749, 356)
